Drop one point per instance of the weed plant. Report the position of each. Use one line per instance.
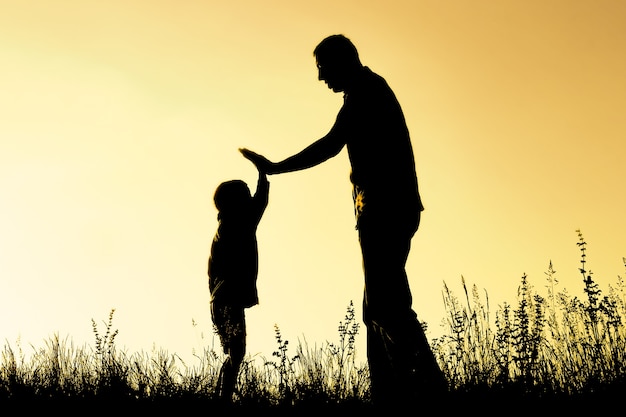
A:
(543, 349)
(554, 347)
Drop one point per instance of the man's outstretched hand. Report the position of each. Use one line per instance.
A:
(262, 163)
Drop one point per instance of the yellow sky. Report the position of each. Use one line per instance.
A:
(118, 119)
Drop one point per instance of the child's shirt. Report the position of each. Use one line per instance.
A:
(233, 262)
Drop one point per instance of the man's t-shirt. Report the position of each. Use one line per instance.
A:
(380, 151)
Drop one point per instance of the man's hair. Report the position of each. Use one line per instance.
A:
(337, 49)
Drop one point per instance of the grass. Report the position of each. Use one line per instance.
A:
(543, 351)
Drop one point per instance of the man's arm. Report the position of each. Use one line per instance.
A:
(314, 154)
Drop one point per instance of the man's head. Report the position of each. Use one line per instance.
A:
(337, 62)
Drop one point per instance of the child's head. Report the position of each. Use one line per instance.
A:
(231, 195)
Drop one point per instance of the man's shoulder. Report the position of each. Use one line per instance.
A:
(372, 91)
(371, 83)
(373, 77)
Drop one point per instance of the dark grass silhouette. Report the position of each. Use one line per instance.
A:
(541, 354)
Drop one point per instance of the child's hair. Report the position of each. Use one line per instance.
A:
(231, 195)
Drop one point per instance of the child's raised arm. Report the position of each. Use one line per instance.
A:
(261, 195)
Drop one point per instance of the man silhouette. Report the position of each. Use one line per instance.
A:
(388, 207)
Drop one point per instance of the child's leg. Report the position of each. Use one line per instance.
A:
(234, 344)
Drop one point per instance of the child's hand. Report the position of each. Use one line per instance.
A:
(263, 164)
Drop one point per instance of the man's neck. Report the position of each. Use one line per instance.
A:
(356, 78)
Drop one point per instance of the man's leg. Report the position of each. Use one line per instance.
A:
(413, 361)
(381, 372)
(399, 355)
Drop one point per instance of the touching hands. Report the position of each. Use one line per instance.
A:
(263, 164)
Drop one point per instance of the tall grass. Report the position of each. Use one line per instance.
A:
(324, 376)
(541, 346)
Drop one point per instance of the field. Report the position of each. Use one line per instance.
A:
(539, 355)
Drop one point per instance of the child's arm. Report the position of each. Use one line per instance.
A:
(261, 195)
(262, 186)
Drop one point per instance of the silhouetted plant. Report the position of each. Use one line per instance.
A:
(283, 367)
(503, 345)
(527, 328)
(321, 375)
(546, 345)
(345, 379)
(466, 355)
(112, 372)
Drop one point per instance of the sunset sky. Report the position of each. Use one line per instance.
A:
(118, 119)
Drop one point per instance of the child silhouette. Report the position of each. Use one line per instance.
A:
(233, 269)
